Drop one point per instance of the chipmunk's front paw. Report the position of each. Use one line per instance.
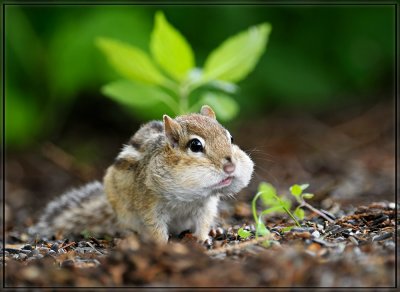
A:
(203, 238)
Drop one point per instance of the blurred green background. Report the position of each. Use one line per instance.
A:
(319, 58)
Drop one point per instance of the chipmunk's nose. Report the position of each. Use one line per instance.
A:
(229, 166)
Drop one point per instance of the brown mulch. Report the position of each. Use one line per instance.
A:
(357, 250)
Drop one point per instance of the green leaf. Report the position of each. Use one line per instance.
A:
(170, 49)
(235, 58)
(299, 213)
(286, 203)
(272, 209)
(296, 190)
(261, 229)
(228, 87)
(304, 186)
(131, 62)
(23, 121)
(266, 243)
(268, 194)
(286, 229)
(224, 106)
(134, 94)
(307, 196)
(243, 233)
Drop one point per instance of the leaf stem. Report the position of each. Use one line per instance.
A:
(171, 103)
(253, 206)
(291, 216)
(184, 99)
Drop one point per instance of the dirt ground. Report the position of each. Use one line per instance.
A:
(347, 157)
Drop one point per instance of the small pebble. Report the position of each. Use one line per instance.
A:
(353, 240)
(352, 222)
(52, 253)
(382, 236)
(307, 241)
(212, 233)
(22, 256)
(208, 243)
(316, 234)
(54, 247)
(320, 227)
(82, 244)
(219, 231)
(27, 247)
(39, 256)
(392, 205)
(44, 249)
(33, 253)
(380, 219)
(26, 251)
(332, 228)
(12, 250)
(302, 229)
(79, 250)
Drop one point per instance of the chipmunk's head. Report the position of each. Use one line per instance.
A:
(201, 159)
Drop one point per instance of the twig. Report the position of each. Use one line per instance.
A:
(92, 246)
(68, 245)
(305, 204)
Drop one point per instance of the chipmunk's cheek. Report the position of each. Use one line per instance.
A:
(244, 170)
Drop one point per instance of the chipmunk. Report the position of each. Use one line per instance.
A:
(169, 178)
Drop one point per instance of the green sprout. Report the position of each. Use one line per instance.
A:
(169, 75)
(244, 233)
(276, 204)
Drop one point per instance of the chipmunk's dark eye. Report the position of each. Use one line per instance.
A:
(195, 145)
(231, 139)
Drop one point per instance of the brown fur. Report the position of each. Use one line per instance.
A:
(134, 188)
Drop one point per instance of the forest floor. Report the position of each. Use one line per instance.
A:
(347, 158)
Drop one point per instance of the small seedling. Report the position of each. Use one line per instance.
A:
(275, 203)
(169, 75)
(243, 233)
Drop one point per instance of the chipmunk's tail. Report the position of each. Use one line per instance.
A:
(78, 211)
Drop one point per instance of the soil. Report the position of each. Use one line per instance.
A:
(347, 158)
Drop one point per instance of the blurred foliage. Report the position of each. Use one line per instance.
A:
(176, 78)
(318, 57)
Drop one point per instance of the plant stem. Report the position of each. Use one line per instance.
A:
(254, 210)
(253, 206)
(184, 99)
(305, 204)
(171, 103)
(291, 216)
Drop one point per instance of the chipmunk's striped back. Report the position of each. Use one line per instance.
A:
(78, 210)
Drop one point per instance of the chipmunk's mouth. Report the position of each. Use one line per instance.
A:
(225, 182)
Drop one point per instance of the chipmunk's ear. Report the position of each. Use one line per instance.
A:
(172, 129)
(207, 111)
